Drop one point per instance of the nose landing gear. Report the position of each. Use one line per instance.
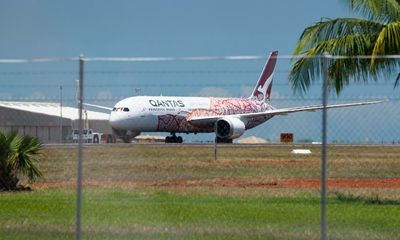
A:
(173, 139)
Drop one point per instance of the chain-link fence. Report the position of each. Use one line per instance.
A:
(266, 185)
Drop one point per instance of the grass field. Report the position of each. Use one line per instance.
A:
(158, 192)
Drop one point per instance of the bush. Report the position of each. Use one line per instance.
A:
(18, 155)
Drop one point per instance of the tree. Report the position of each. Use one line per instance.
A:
(373, 37)
(17, 156)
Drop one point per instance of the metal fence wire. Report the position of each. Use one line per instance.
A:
(331, 173)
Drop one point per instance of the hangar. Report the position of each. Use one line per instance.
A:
(48, 121)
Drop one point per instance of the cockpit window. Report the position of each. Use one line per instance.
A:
(120, 109)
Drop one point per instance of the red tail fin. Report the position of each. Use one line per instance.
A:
(262, 91)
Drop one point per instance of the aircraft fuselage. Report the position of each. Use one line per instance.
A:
(172, 114)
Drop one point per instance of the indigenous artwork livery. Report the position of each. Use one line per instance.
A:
(229, 118)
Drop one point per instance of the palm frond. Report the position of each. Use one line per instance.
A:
(375, 36)
(382, 11)
(3, 149)
(344, 70)
(22, 152)
(334, 29)
(397, 81)
(388, 40)
(305, 70)
(15, 142)
(341, 71)
(30, 147)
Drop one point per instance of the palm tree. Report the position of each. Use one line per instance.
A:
(375, 36)
(17, 156)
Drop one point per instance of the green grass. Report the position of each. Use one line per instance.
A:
(372, 200)
(114, 209)
(159, 214)
(149, 162)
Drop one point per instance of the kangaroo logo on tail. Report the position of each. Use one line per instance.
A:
(262, 91)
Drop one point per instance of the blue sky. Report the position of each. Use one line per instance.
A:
(160, 28)
(156, 28)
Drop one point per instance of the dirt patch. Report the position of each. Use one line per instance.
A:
(51, 184)
(219, 182)
(290, 183)
(343, 183)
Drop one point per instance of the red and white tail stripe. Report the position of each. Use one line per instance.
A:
(262, 90)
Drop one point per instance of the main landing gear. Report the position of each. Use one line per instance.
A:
(223, 140)
(173, 139)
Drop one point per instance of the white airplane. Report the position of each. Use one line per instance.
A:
(229, 118)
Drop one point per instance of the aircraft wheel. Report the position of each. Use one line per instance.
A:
(224, 140)
(173, 139)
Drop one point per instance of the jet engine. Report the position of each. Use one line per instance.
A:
(229, 128)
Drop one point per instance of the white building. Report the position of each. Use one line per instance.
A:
(45, 120)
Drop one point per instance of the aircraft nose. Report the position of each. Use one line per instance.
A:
(117, 121)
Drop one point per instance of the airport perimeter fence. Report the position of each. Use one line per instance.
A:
(344, 186)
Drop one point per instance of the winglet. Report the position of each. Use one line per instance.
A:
(262, 90)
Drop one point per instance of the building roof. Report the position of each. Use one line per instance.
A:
(53, 109)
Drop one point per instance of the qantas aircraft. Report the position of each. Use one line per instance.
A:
(229, 118)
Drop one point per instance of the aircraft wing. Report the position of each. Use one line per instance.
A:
(283, 111)
(98, 106)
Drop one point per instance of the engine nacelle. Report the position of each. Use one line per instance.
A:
(229, 128)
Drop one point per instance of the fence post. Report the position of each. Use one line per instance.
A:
(215, 148)
(324, 145)
(61, 115)
(80, 143)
